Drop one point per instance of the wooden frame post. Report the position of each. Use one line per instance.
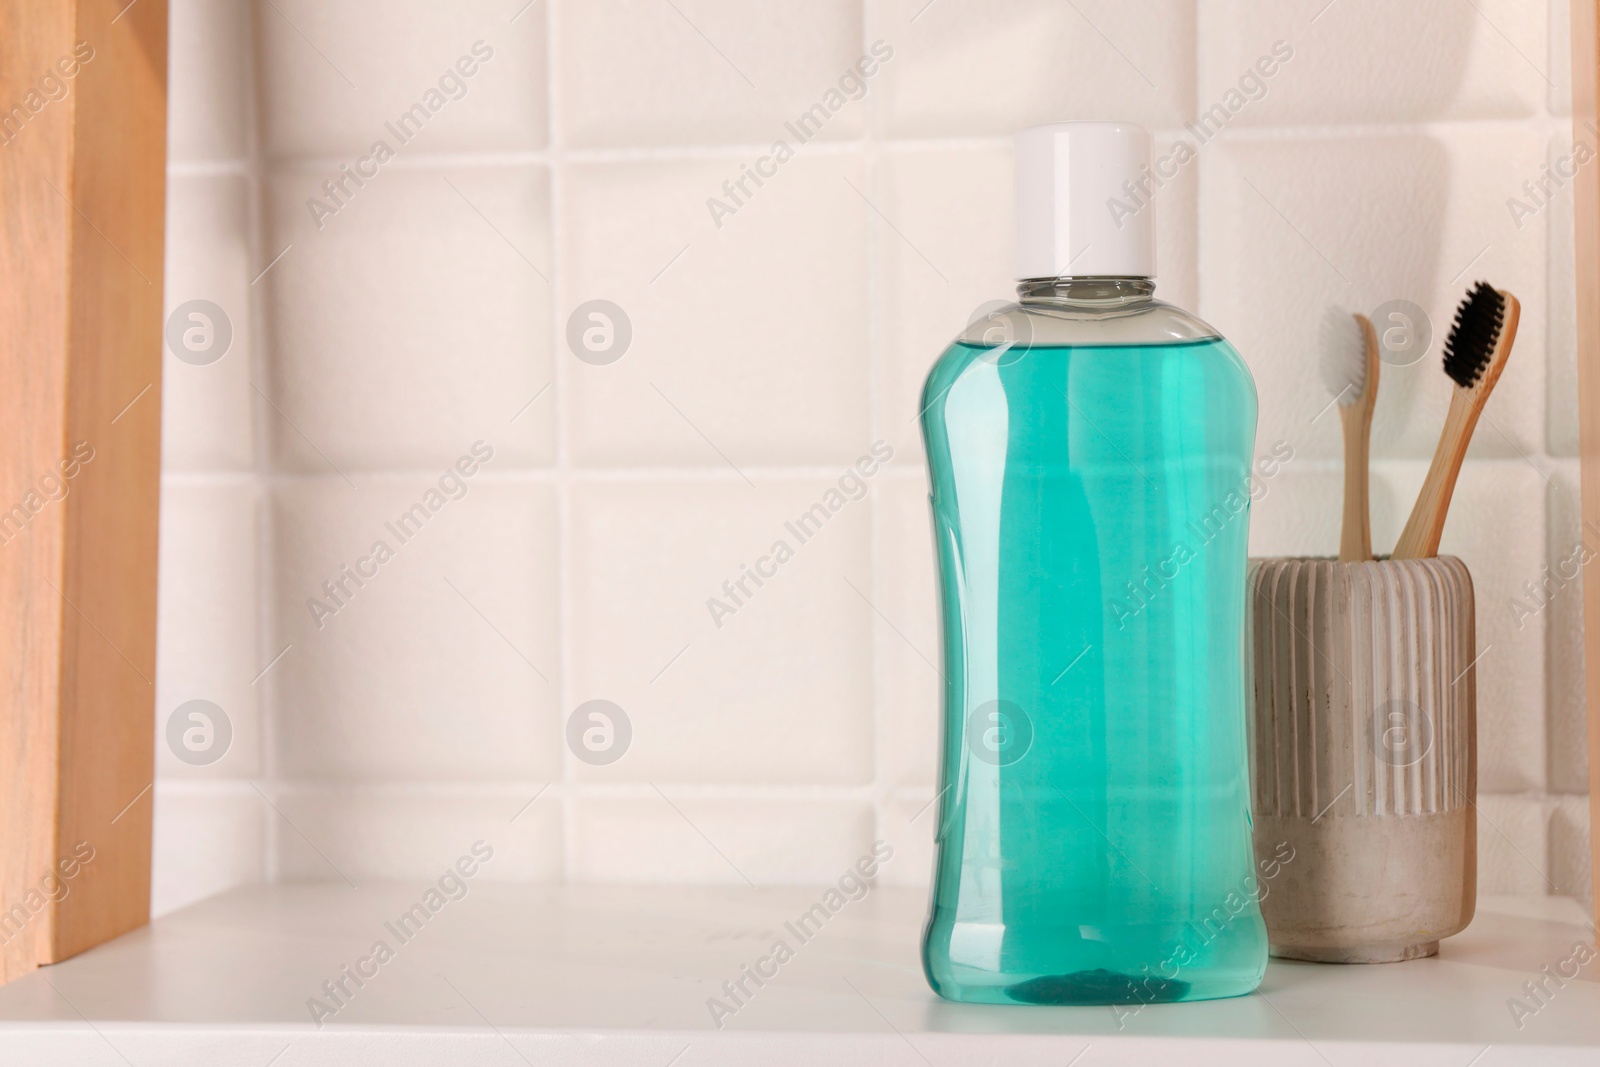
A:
(1585, 120)
(83, 191)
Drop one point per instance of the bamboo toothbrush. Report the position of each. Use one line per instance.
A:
(1474, 355)
(1350, 371)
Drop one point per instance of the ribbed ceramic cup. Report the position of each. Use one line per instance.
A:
(1363, 755)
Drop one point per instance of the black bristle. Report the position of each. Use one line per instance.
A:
(1472, 338)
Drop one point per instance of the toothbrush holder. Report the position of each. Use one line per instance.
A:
(1363, 754)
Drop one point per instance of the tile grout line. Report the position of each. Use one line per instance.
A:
(548, 473)
(738, 150)
(261, 356)
(1203, 168)
(666, 475)
(1550, 802)
(518, 790)
(555, 139)
(875, 523)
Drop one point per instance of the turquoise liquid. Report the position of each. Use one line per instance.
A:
(1091, 513)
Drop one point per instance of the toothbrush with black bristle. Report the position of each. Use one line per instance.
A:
(1350, 371)
(1474, 355)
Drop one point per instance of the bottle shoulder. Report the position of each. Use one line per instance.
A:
(1048, 325)
(1025, 344)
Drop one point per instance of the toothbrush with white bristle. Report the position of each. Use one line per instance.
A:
(1350, 371)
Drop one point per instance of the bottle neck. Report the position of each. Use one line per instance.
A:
(1087, 292)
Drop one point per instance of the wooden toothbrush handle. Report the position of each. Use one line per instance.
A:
(1355, 534)
(1420, 538)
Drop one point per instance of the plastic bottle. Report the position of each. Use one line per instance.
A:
(1089, 451)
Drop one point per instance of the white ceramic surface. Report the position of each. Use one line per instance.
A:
(590, 976)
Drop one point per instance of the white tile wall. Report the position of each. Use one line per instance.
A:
(948, 254)
(205, 842)
(780, 691)
(1560, 58)
(1353, 221)
(907, 824)
(1513, 845)
(443, 663)
(1562, 401)
(378, 832)
(386, 320)
(207, 423)
(211, 830)
(1369, 61)
(1568, 762)
(696, 72)
(974, 68)
(674, 838)
(750, 340)
(1570, 870)
(333, 75)
(413, 322)
(207, 97)
(208, 623)
(906, 633)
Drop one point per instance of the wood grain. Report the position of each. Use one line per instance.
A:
(1355, 534)
(82, 178)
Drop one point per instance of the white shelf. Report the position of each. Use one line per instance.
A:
(620, 975)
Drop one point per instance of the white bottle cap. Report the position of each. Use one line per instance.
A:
(1074, 214)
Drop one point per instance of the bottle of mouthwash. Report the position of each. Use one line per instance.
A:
(1089, 450)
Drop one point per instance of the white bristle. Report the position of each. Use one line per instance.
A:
(1343, 355)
